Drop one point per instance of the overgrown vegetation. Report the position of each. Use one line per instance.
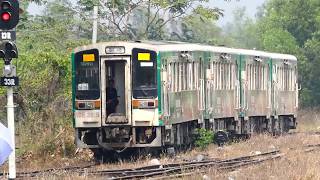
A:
(204, 138)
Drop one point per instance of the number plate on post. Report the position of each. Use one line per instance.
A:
(9, 81)
(8, 35)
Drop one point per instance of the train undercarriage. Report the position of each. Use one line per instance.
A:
(128, 140)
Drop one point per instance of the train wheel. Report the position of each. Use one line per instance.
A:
(103, 156)
(220, 138)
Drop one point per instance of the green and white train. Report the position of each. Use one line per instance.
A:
(166, 90)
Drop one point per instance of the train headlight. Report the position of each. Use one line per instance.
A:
(115, 50)
(88, 105)
(144, 104)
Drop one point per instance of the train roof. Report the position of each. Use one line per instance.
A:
(184, 46)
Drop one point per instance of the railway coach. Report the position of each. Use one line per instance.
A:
(166, 90)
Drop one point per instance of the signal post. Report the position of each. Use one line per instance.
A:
(9, 18)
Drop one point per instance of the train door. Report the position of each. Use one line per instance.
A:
(116, 81)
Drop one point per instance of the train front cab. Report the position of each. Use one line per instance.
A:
(135, 120)
(134, 124)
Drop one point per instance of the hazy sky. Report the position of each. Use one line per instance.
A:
(229, 6)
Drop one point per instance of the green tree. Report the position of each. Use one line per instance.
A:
(198, 29)
(292, 26)
(118, 16)
(242, 32)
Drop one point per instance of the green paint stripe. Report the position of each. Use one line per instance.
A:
(161, 123)
(73, 88)
(271, 84)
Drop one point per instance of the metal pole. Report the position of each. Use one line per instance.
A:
(95, 24)
(10, 116)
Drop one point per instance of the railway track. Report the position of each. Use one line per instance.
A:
(165, 171)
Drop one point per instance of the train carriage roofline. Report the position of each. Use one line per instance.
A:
(283, 56)
(165, 46)
(127, 44)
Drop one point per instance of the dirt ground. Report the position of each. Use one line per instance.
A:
(296, 164)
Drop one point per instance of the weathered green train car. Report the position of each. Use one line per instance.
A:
(166, 90)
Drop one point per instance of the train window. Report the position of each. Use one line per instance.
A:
(144, 73)
(220, 76)
(289, 79)
(213, 71)
(293, 80)
(172, 77)
(189, 76)
(252, 77)
(281, 78)
(176, 75)
(249, 77)
(169, 77)
(226, 79)
(217, 76)
(195, 73)
(231, 76)
(181, 76)
(176, 79)
(173, 82)
(185, 80)
(258, 77)
(285, 78)
(224, 82)
(255, 73)
(265, 77)
(87, 75)
(286, 84)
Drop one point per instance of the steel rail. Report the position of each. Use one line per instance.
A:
(166, 169)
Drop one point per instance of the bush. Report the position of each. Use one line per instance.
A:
(204, 138)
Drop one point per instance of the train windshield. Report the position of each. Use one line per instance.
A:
(87, 85)
(144, 74)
